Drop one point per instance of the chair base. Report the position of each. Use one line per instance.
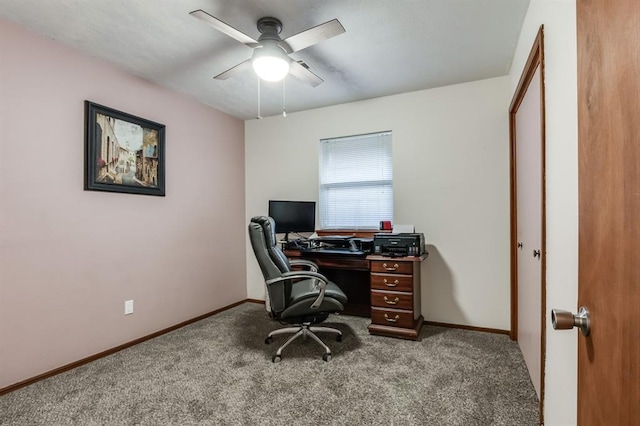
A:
(304, 330)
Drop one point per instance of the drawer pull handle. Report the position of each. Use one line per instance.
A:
(392, 268)
(397, 317)
(388, 284)
(391, 302)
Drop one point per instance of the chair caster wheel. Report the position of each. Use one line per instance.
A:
(276, 358)
(339, 338)
(268, 340)
(326, 357)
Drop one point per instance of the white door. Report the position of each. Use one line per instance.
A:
(529, 228)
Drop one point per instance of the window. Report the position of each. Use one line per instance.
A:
(356, 181)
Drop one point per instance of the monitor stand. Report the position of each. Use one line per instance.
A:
(285, 241)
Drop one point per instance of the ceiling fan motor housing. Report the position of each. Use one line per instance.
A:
(269, 28)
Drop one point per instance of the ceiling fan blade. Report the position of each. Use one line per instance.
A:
(314, 35)
(301, 71)
(223, 27)
(241, 67)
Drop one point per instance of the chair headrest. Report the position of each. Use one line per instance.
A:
(268, 226)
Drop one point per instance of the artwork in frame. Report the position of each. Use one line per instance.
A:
(123, 153)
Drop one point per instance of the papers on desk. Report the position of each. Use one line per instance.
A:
(404, 229)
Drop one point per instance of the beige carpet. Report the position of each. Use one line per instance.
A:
(219, 372)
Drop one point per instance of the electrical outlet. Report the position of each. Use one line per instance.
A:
(128, 307)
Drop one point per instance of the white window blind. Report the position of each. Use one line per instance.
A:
(356, 181)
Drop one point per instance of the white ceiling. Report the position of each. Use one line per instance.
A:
(389, 47)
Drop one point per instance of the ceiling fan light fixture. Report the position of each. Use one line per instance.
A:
(270, 63)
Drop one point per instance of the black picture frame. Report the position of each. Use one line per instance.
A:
(123, 153)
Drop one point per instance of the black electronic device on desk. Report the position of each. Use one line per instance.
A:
(335, 245)
(404, 244)
(297, 244)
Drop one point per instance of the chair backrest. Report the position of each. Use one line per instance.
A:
(273, 263)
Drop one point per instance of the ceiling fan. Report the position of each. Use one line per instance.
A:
(270, 58)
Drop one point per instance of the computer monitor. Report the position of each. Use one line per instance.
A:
(293, 216)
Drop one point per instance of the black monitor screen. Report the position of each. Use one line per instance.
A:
(293, 216)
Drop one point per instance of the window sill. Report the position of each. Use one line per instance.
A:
(358, 233)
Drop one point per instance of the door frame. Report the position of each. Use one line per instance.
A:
(535, 60)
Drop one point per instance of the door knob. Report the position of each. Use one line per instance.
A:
(519, 245)
(536, 253)
(563, 320)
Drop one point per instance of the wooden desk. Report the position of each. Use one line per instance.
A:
(385, 289)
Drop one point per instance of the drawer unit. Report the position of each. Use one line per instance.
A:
(395, 296)
(392, 266)
(392, 299)
(392, 317)
(389, 282)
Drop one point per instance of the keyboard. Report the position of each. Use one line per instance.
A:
(334, 251)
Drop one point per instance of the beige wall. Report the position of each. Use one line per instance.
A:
(451, 180)
(559, 19)
(70, 258)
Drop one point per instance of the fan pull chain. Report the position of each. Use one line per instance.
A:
(259, 117)
(284, 97)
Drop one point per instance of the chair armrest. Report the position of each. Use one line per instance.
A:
(299, 274)
(302, 262)
(321, 282)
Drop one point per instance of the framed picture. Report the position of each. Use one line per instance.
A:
(123, 153)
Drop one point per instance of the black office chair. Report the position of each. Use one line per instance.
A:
(302, 297)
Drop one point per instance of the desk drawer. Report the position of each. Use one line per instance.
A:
(392, 267)
(392, 317)
(391, 282)
(392, 299)
(344, 262)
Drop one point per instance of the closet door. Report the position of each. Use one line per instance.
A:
(527, 144)
(529, 224)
